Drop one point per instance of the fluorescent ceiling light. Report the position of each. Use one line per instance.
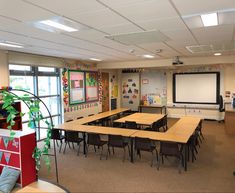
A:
(217, 54)
(58, 25)
(95, 59)
(210, 19)
(148, 56)
(11, 44)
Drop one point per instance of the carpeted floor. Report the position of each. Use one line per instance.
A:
(211, 172)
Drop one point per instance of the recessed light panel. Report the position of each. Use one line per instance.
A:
(58, 25)
(210, 19)
(10, 44)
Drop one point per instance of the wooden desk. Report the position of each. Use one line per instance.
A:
(229, 119)
(161, 107)
(141, 118)
(40, 186)
(180, 132)
(111, 131)
(99, 116)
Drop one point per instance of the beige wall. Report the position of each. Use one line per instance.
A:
(4, 72)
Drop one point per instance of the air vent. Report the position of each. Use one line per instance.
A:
(200, 49)
(139, 38)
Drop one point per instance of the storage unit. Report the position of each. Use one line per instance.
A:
(3, 117)
(17, 153)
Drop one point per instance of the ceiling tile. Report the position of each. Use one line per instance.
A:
(23, 11)
(209, 35)
(189, 7)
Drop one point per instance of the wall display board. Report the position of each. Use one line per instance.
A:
(196, 88)
(130, 91)
(153, 88)
(92, 86)
(76, 87)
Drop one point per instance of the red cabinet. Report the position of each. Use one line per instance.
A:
(17, 154)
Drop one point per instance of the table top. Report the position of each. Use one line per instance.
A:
(141, 118)
(180, 132)
(92, 118)
(40, 186)
(111, 131)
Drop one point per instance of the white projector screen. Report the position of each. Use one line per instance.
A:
(197, 88)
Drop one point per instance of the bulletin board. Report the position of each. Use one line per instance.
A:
(76, 87)
(130, 91)
(153, 87)
(92, 92)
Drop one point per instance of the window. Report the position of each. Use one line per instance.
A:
(44, 82)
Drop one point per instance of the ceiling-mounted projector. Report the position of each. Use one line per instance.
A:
(176, 61)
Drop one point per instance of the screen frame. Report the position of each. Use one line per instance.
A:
(188, 73)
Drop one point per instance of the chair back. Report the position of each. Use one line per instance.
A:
(69, 120)
(169, 149)
(93, 139)
(90, 115)
(55, 134)
(156, 125)
(130, 124)
(79, 118)
(116, 141)
(221, 103)
(71, 136)
(143, 144)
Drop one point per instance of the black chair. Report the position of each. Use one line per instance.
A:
(192, 146)
(164, 123)
(119, 142)
(145, 144)
(94, 139)
(155, 126)
(57, 135)
(130, 125)
(199, 132)
(171, 149)
(221, 106)
(72, 137)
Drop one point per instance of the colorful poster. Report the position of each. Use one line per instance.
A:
(76, 87)
(92, 86)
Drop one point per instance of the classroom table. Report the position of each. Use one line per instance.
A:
(99, 116)
(180, 132)
(161, 107)
(141, 118)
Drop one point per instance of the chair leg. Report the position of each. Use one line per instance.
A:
(124, 153)
(78, 149)
(94, 148)
(113, 150)
(65, 146)
(162, 160)
(108, 152)
(152, 160)
(101, 153)
(60, 146)
(87, 147)
(57, 143)
(129, 151)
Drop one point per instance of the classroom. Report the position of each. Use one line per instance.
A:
(117, 96)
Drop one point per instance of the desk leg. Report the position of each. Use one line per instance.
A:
(84, 143)
(132, 150)
(185, 157)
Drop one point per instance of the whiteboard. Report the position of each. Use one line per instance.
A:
(199, 88)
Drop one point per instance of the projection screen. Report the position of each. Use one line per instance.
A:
(196, 88)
